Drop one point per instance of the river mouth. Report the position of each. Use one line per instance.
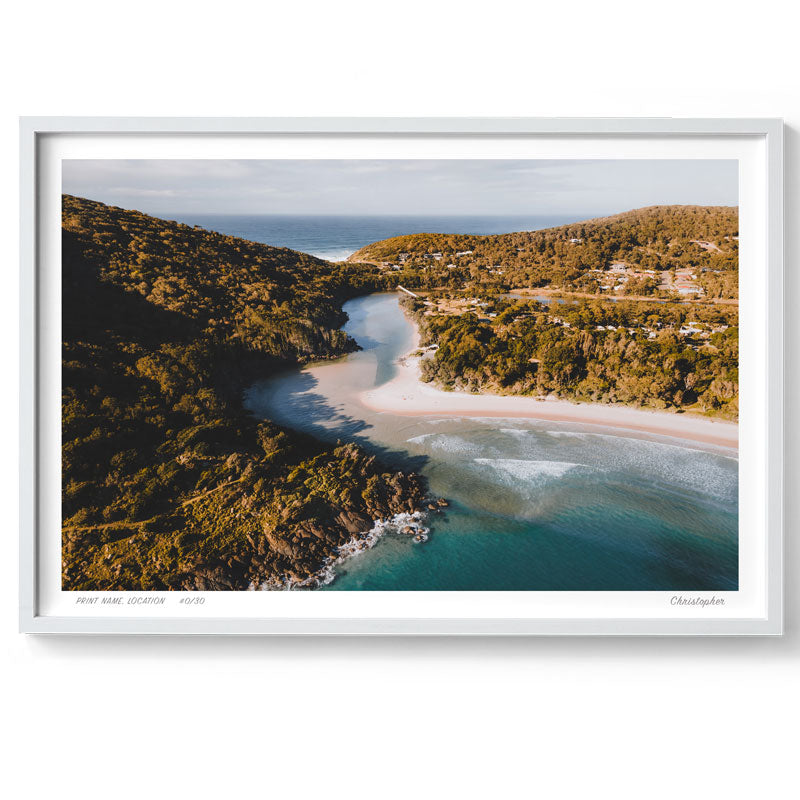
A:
(535, 504)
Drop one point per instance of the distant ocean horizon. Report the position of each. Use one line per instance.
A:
(334, 238)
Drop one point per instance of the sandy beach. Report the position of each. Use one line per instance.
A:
(406, 394)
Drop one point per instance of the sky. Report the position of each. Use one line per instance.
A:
(407, 187)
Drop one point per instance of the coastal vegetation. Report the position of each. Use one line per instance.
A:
(666, 356)
(167, 482)
(664, 250)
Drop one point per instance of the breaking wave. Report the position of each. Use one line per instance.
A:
(532, 472)
(406, 524)
(637, 438)
(447, 443)
(520, 433)
(332, 253)
(421, 439)
(710, 472)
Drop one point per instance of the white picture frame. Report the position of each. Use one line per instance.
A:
(764, 134)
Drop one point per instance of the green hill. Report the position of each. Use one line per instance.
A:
(658, 238)
(167, 482)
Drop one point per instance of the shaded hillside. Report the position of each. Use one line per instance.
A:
(657, 238)
(167, 482)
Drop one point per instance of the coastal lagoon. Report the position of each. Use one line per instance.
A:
(534, 504)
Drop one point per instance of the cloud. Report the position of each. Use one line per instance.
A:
(401, 186)
(134, 191)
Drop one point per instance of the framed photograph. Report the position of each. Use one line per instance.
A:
(401, 376)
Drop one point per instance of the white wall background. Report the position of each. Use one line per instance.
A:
(200, 718)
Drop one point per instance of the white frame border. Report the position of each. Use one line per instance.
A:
(771, 130)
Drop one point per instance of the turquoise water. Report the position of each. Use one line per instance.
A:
(535, 505)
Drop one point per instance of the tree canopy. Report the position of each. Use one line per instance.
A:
(574, 257)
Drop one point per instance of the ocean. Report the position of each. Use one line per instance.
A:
(535, 505)
(334, 238)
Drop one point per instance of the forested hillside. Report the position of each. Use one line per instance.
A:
(666, 356)
(576, 257)
(167, 482)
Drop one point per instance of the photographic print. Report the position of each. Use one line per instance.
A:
(400, 375)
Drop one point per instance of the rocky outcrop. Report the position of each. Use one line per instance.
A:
(353, 522)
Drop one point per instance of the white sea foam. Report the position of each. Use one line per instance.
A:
(359, 543)
(518, 432)
(695, 469)
(531, 471)
(333, 253)
(647, 442)
(447, 443)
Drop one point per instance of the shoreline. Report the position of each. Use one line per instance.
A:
(407, 395)
(357, 544)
